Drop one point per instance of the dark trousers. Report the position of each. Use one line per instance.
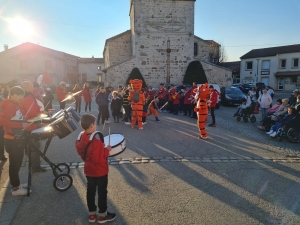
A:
(127, 109)
(35, 157)
(15, 150)
(77, 106)
(161, 102)
(87, 104)
(212, 112)
(175, 108)
(188, 109)
(1, 142)
(170, 106)
(92, 184)
(62, 105)
(115, 113)
(103, 112)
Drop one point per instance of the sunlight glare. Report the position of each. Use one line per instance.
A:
(21, 27)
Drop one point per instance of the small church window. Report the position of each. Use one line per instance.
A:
(195, 49)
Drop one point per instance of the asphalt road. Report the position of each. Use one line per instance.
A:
(168, 176)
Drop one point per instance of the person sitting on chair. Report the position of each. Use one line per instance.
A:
(245, 104)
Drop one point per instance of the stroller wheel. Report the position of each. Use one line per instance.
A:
(253, 119)
(238, 118)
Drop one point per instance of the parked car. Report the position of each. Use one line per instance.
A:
(257, 84)
(216, 87)
(245, 88)
(231, 96)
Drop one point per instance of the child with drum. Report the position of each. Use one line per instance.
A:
(94, 154)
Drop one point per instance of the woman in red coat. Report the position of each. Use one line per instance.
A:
(87, 96)
(61, 92)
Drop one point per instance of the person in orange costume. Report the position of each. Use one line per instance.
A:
(137, 99)
(152, 109)
(202, 96)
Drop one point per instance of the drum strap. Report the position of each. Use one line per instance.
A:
(92, 137)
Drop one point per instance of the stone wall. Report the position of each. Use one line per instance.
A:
(203, 49)
(217, 74)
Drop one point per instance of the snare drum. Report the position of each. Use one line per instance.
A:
(57, 115)
(42, 133)
(117, 142)
(74, 114)
(63, 126)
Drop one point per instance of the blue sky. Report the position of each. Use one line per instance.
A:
(81, 27)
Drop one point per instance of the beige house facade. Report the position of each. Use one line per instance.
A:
(28, 61)
(90, 70)
(161, 44)
(278, 67)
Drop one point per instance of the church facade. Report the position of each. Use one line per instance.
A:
(161, 44)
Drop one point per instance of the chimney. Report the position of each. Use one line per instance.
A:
(5, 47)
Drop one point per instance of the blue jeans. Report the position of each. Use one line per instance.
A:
(264, 112)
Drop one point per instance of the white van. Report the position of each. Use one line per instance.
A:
(217, 88)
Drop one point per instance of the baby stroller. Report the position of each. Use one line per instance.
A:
(291, 131)
(248, 114)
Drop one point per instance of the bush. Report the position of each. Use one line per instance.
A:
(195, 73)
(136, 74)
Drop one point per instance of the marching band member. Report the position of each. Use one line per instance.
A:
(30, 109)
(12, 120)
(188, 97)
(61, 92)
(152, 109)
(172, 93)
(176, 102)
(150, 94)
(161, 95)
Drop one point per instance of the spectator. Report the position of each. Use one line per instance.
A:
(102, 102)
(245, 104)
(127, 107)
(264, 101)
(109, 88)
(214, 97)
(5, 92)
(116, 105)
(87, 96)
(97, 91)
(252, 93)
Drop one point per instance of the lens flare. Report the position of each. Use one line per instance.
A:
(21, 27)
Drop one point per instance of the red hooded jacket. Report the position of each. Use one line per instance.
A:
(214, 97)
(187, 96)
(61, 93)
(11, 117)
(86, 95)
(96, 157)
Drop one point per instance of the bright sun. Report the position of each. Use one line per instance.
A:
(21, 27)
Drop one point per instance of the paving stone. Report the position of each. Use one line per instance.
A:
(233, 160)
(74, 164)
(145, 161)
(175, 160)
(138, 158)
(127, 159)
(124, 162)
(242, 160)
(80, 166)
(113, 163)
(48, 168)
(136, 162)
(82, 163)
(73, 167)
(217, 160)
(185, 160)
(225, 160)
(153, 161)
(195, 160)
(198, 157)
(188, 157)
(164, 160)
(223, 157)
(168, 157)
(146, 158)
(206, 160)
(157, 157)
(115, 160)
(239, 157)
(177, 157)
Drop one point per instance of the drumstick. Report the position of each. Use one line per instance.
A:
(164, 105)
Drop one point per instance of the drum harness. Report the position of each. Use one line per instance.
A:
(92, 137)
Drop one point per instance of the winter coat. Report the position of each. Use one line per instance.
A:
(61, 93)
(214, 97)
(102, 99)
(11, 117)
(87, 96)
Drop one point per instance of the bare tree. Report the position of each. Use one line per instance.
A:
(217, 53)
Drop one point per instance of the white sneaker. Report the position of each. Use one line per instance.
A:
(270, 132)
(127, 123)
(19, 192)
(24, 186)
(107, 121)
(273, 134)
(144, 123)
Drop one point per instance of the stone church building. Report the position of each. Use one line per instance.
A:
(161, 44)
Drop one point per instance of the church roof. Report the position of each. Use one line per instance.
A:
(114, 37)
(91, 60)
(207, 41)
(235, 66)
(264, 52)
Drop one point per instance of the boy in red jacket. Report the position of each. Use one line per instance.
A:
(93, 152)
(214, 96)
(12, 120)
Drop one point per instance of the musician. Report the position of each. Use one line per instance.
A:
(176, 102)
(95, 154)
(87, 96)
(150, 94)
(161, 96)
(47, 99)
(30, 109)
(188, 97)
(153, 109)
(172, 93)
(38, 92)
(77, 98)
(12, 121)
(61, 92)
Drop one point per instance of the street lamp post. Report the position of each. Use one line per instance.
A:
(257, 70)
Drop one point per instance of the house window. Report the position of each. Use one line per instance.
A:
(99, 77)
(84, 78)
(294, 79)
(23, 65)
(282, 63)
(266, 65)
(99, 67)
(249, 65)
(295, 63)
(48, 64)
(195, 49)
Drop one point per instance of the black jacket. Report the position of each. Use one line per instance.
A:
(102, 99)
